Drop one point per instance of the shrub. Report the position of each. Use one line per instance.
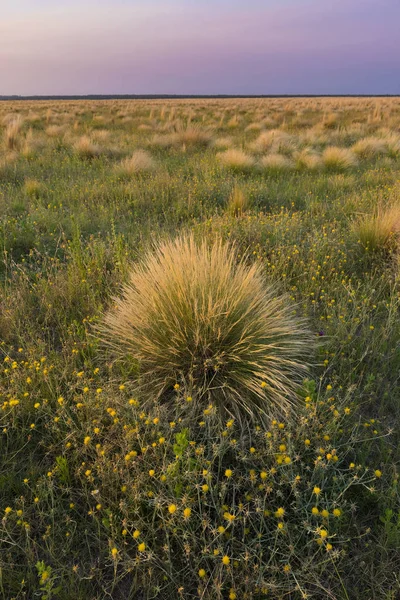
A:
(190, 315)
(140, 162)
(380, 231)
(236, 160)
(338, 159)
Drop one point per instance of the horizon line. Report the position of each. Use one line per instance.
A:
(8, 97)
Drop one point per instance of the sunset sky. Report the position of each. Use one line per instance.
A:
(199, 46)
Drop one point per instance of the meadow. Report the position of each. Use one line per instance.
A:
(124, 471)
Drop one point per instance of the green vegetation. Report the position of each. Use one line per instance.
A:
(193, 316)
(118, 478)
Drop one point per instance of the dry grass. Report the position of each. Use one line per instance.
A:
(193, 135)
(254, 127)
(338, 159)
(187, 136)
(86, 148)
(101, 135)
(370, 147)
(380, 231)
(276, 162)
(238, 202)
(308, 160)
(194, 316)
(140, 162)
(233, 122)
(223, 142)
(275, 141)
(55, 130)
(145, 127)
(34, 188)
(392, 141)
(12, 134)
(236, 160)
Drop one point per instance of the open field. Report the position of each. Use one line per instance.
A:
(118, 478)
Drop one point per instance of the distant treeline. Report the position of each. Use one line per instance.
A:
(188, 96)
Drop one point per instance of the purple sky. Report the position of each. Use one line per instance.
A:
(200, 46)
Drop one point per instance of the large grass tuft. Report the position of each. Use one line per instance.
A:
(338, 159)
(380, 231)
(12, 133)
(236, 160)
(140, 162)
(192, 315)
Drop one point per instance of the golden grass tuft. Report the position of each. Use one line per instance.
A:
(392, 141)
(380, 231)
(223, 142)
(33, 188)
(369, 147)
(254, 127)
(30, 145)
(308, 160)
(238, 202)
(188, 136)
(192, 135)
(275, 141)
(12, 134)
(140, 162)
(101, 135)
(191, 314)
(55, 130)
(236, 160)
(145, 127)
(276, 162)
(338, 159)
(86, 148)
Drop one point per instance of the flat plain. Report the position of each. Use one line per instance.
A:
(106, 493)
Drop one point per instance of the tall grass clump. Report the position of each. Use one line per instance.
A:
(238, 202)
(236, 160)
(338, 159)
(392, 141)
(34, 188)
(192, 316)
(380, 231)
(140, 162)
(276, 141)
(12, 134)
(85, 148)
(308, 160)
(370, 147)
(276, 162)
(192, 135)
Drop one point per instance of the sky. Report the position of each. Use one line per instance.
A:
(61, 47)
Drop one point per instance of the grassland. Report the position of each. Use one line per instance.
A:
(105, 496)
